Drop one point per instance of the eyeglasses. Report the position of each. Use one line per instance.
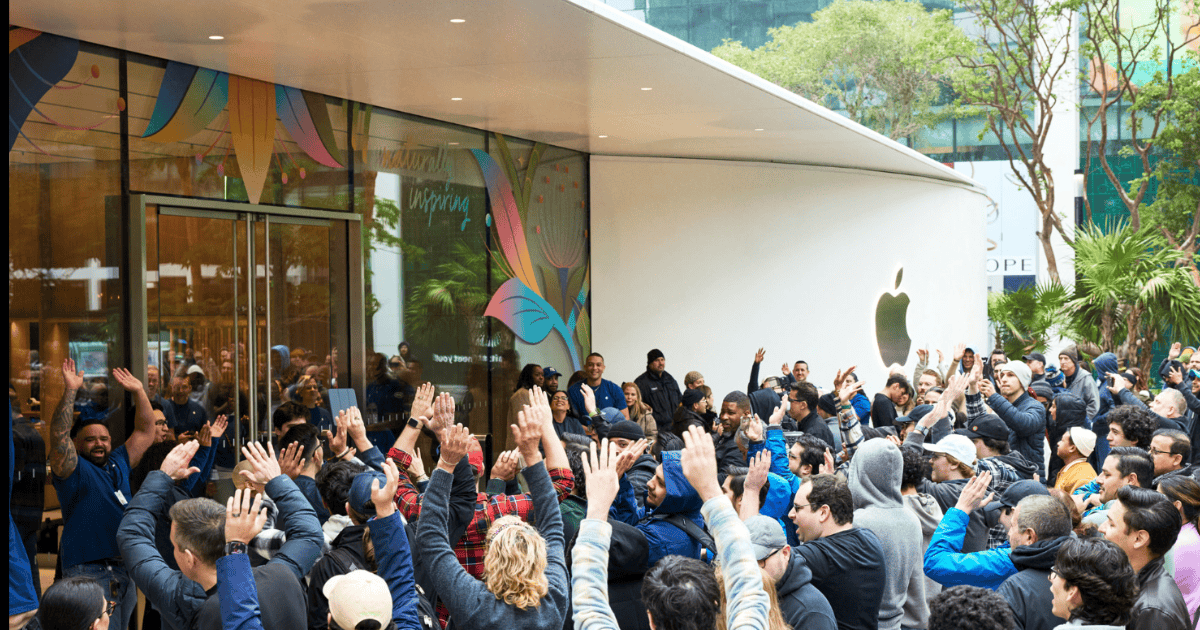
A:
(797, 507)
(393, 365)
(108, 610)
(1154, 451)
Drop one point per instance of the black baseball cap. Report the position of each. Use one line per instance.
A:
(918, 412)
(1035, 356)
(1015, 492)
(986, 426)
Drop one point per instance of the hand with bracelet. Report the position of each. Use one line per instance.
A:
(456, 441)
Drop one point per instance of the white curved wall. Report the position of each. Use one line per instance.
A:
(708, 260)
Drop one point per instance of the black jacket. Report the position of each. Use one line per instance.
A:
(661, 392)
(344, 555)
(728, 454)
(688, 418)
(1028, 592)
(814, 425)
(1159, 605)
(803, 606)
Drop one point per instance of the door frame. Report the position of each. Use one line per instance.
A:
(349, 232)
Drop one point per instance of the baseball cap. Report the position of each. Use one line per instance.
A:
(1083, 439)
(986, 426)
(358, 596)
(195, 369)
(1015, 492)
(918, 412)
(1035, 356)
(957, 446)
(766, 536)
(360, 492)
(549, 372)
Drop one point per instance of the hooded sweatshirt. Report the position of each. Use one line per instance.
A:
(874, 480)
(803, 606)
(1082, 384)
(929, 514)
(640, 474)
(664, 538)
(1028, 592)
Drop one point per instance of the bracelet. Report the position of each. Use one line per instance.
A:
(343, 453)
(442, 461)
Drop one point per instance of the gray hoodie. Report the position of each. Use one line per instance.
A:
(874, 480)
(929, 514)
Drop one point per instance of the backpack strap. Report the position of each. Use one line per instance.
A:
(692, 530)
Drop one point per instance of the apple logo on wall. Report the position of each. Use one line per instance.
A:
(891, 325)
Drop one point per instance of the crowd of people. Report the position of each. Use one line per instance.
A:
(981, 492)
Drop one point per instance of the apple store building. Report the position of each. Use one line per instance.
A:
(250, 203)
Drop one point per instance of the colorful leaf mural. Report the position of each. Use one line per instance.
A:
(36, 61)
(252, 130)
(189, 98)
(508, 222)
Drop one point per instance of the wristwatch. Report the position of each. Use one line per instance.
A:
(414, 423)
(235, 546)
(920, 429)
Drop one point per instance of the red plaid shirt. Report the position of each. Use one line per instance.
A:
(472, 547)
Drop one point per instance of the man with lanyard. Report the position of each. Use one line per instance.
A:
(93, 492)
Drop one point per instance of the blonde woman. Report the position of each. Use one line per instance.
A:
(525, 584)
(774, 616)
(640, 412)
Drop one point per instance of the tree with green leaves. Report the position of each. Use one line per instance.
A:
(885, 64)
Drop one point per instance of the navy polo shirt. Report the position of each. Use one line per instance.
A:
(91, 509)
(608, 394)
(184, 418)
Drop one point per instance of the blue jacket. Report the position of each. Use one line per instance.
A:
(947, 565)
(664, 538)
(779, 497)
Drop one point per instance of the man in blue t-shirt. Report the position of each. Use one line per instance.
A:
(184, 415)
(92, 482)
(608, 393)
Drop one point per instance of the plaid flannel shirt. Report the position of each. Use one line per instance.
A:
(472, 547)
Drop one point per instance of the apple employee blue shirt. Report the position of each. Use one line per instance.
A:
(93, 500)
(608, 394)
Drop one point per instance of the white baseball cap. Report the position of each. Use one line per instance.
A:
(356, 596)
(959, 447)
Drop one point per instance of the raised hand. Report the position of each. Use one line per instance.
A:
(589, 399)
(423, 402)
(127, 380)
(941, 357)
(959, 350)
(244, 518)
(1175, 351)
(337, 442)
(922, 355)
(784, 368)
(1174, 377)
(506, 466)
(527, 433)
(443, 412)
(630, 455)
(760, 355)
(266, 467)
(291, 460)
(72, 380)
(754, 429)
(849, 390)
(777, 415)
(176, 463)
(760, 465)
(356, 427)
(972, 496)
(828, 467)
(456, 441)
(600, 472)
(986, 387)
(699, 462)
(841, 377)
(383, 497)
(219, 426)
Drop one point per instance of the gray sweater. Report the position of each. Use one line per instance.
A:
(874, 480)
(929, 513)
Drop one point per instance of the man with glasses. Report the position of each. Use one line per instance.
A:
(802, 400)
(1170, 450)
(838, 553)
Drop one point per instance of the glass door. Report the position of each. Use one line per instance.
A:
(244, 311)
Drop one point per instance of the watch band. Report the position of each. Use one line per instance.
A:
(414, 423)
(234, 546)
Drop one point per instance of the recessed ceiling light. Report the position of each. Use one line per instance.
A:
(215, 37)
(456, 98)
(647, 89)
(453, 144)
(457, 21)
(758, 129)
(601, 136)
